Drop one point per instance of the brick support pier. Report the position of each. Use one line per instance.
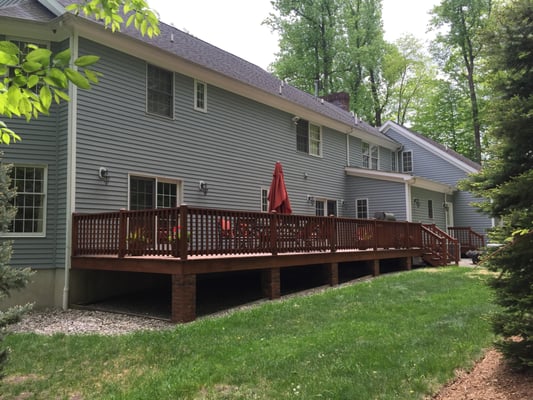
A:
(183, 298)
(270, 283)
(406, 263)
(375, 267)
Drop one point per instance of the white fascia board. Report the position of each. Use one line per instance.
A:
(381, 141)
(435, 150)
(53, 6)
(415, 181)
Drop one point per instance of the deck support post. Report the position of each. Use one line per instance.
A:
(270, 283)
(332, 273)
(183, 298)
(406, 263)
(375, 268)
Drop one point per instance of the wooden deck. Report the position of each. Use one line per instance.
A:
(185, 242)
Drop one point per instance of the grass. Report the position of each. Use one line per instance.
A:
(399, 336)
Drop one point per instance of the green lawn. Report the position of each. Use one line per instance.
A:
(399, 336)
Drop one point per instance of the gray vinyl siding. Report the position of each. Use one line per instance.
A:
(420, 214)
(40, 146)
(382, 196)
(427, 164)
(233, 147)
(467, 215)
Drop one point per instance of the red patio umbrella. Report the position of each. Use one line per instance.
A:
(277, 195)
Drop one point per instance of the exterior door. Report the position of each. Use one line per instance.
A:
(448, 212)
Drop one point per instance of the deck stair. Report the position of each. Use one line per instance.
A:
(439, 248)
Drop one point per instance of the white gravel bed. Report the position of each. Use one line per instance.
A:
(75, 322)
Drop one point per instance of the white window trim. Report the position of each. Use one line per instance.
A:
(309, 139)
(196, 84)
(357, 208)
(45, 206)
(173, 108)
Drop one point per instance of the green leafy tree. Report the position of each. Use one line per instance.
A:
(460, 47)
(507, 177)
(32, 78)
(415, 73)
(309, 33)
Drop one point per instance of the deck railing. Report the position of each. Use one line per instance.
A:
(189, 231)
(469, 239)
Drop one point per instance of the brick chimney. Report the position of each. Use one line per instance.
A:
(341, 99)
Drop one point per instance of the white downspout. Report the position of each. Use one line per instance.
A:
(71, 168)
(408, 206)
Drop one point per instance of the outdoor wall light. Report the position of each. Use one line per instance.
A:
(446, 206)
(202, 187)
(103, 174)
(341, 202)
(295, 119)
(306, 175)
(310, 199)
(417, 203)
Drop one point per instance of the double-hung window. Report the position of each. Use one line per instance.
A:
(370, 156)
(30, 183)
(361, 208)
(160, 91)
(309, 138)
(407, 161)
(200, 96)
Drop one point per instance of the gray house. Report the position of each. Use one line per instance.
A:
(175, 120)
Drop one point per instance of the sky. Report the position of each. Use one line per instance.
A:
(236, 25)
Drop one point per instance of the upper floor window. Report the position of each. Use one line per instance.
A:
(30, 183)
(160, 91)
(407, 161)
(200, 96)
(430, 209)
(361, 208)
(150, 193)
(370, 156)
(309, 138)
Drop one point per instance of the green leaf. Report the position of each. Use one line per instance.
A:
(59, 94)
(31, 66)
(91, 75)
(8, 59)
(32, 81)
(85, 61)
(45, 97)
(56, 77)
(40, 55)
(62, 59)
(77, 79)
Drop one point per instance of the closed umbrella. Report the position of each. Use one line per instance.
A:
(277, 195)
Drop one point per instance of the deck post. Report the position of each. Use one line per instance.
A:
(332, 273)
(406, 263)
(183, 301)
(375, 268)
(270, 283)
